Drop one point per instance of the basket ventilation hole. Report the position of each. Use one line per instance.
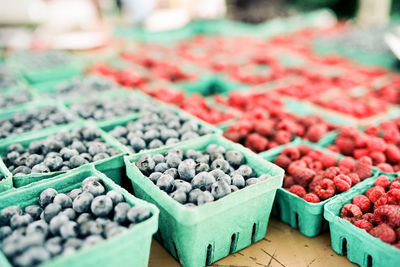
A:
(234, 239)
(176, 251)
(277, 210)
(253, 233)
(344, 246)
(369, 261)
(297, 220)
(209, 259)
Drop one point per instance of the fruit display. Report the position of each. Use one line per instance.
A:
(33, 120)
(42, 60)
(61, 224)
(377, 211)
(65, 150)
(14, 98)
(315, 175)
(194, 178)
(8, 77)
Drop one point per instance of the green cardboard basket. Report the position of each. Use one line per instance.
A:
(6, 183)
(298, 213)
(112, 166)
(359, 246)
(202, 235)
(131, 248)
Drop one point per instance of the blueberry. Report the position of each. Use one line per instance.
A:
(40, 168)
(156, 143)
(73, 242)
(90, 228)
(100, 156)
(234, 158)
(92, 240)
(264, 177)
(78, 146)
(158, 158)
(87, 156)
(179, 195)
(50, 211)
(18, 220)
(151, 135)
(67, 153)
(165, 183)
(94, 187)
(37, 227)
(69, 229)
(221, 164)
(145, 164)
(173, 172)
(202, 167)
(215, 148)
(234, 188)
(155, 176)
(193, 195)
(15, 147)
(69, 212)
(56, 222)
(245, 170)
(7, 213)
(84, 217)
(89, 180)
(193, 154)
(115, 196)
(33, 256)
(63, 200)
(120, 212)
(137, 143)
(33, 160)
(220, 189)
(190, 205)
(238, 180)
(204, 197)
(53, 245)
(74, 193)
(171, 141)
(5, 231)
(113, 231)
(216, 155)
(182, 185)
(47, 196)
(186, 169)
(173, 160)
(203, 181)
(203, 159)
(82, 202)
(252, 181)
(161, 167)
(12, 156)
(138, 214)
(76, 161)
(189, 135)
(101, 206)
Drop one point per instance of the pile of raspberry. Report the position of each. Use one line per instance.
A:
(377, 211)
(261, 130)
(316, 176)
(389, 92)
(382, 151)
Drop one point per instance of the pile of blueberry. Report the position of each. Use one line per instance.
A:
(13, 99)
(7, 77)
(158, 127)
(90, 85)
(60, 224)
(33, 120)
(100, 109)
(42, 60)
(59, 152)
(194, 177)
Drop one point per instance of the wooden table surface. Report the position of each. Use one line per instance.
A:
(282, 246)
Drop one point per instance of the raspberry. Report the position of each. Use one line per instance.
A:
(392, 153)
(364, 224)
(328, 160)
(256, 142)
(374, 193)
(365, 160)
(355, 179)
(363, 170)
(311, 197)
(393, 196)
(351, 212)
(382, 181)
(361, 152)
(377, 157)
(295, 164)
(342, 182)
(347, 163)
(265, 127)
(316, 166)
(395, 184)
(388, 214)
(315, 154)
(315, 181)
(316, 132)
(391, 135)
(362, 202)
(334, 148)
(297, 190)
(372, 130)
(282, 161)
(291, 152)
(345, 145)
(369, 217)
(303, 176)
(288, 181)
(283, 137)
(384, 233)
(382, 200)
(385, 167)
(332, 172)
(376, 144)
(325, 189)
(304, 149)
(308, 160)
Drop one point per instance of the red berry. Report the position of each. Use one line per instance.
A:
(384, 232)
(332, 172)
(304, 149)
(377, 157)
(395, 184)
(297, 190)
(311, 197)
(283, 137)
(328, 160)
(355, 179)
(302, 176)
(363, 170)
(291, 152)
(362, 202)
(325, 189)
(347, 163)
(385, 167)
(374, 193)
(316, 132)
(282, 161)
(392, 153)
(256, 142)
(288, 181)
(376, 144)
(364, 224)
(342, 182)
(388, 214)
(393, 196)
(351, 212)
(382, 181)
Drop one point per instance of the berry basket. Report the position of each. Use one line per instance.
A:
(112, 166)
(347, 239)
(202, 235)
(6, 183)
(131, 248)
(295, 211)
